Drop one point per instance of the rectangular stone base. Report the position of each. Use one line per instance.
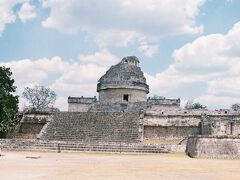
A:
(213, 147)
(73, 146)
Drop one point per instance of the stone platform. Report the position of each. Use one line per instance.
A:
(209, 146)
(70, 146)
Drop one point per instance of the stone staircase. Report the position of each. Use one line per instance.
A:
(92, 127)
(63, 146)
(25, 136)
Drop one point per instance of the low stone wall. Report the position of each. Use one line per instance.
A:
(163, 104)
(118, 107)
(176, 119)
(169, 132)
(78, 107)
(176, 147)
(31, 128)
(213, 147)
(31, 124)
(170, 126)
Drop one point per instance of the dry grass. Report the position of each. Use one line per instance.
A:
(62, 166)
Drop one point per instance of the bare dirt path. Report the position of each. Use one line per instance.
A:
(64, 166)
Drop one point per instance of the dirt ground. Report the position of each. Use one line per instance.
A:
(73, 166)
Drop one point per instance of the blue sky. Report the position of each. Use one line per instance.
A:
(188, 49)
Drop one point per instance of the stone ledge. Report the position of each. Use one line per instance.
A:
(31, 145)
(222, 147)
(216, 136)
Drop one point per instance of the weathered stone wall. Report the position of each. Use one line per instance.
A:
(213, 147)
(169, 132)
(171, 125)
(171, 119)
(116, 95)
(156, 105)
(77, 107)
(93, 126)
(80, 104)
(38, 117)
(162, 107)
(31, 128)
(82, 100)
(118, 107)
(221, 124)
(31, 124)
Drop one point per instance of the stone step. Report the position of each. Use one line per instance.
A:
(25, 136)
(107, 127)
(68, 147)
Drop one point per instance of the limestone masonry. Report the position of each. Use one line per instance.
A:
(124, 113)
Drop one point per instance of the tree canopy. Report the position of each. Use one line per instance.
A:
(157, 97)
(8, 101)
(235, 107)
(39, 97)
(191, 105)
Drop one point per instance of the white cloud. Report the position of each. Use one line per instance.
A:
(146, 15)
(216, 102)
(102, 57)
(8, 15)
(211, 60)
(147, 49)
(26, 12)
(66, 78)
(120, 22)
(61, 103)
(118, 38)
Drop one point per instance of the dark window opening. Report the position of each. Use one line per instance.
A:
(231, 128)
(125, 97)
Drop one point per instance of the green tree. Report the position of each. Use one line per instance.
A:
(8, 101)
(157, 97)
(197, 105)
(235, 107)
(39, 97)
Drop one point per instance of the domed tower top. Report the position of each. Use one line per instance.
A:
(123, 82)
(130, 60)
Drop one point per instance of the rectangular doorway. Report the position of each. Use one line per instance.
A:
(231, 128)
(125, 97)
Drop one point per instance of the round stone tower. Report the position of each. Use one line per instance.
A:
(123, 82)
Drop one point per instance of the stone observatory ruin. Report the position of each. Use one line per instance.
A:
(123, 82)
(124, 114)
